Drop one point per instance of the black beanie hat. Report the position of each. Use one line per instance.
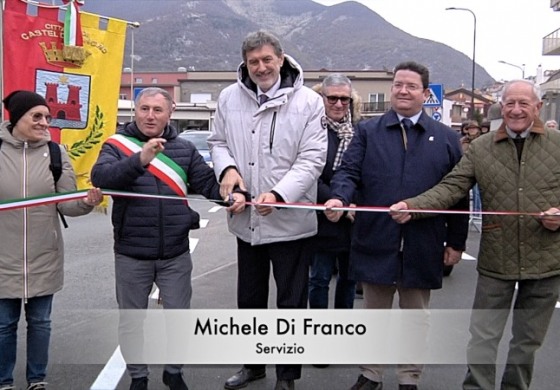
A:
(19, 102)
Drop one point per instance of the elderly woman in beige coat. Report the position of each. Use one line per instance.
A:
(31, 262)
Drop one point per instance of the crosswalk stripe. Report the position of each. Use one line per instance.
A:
(111, 374)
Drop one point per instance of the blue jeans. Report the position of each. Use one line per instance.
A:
(321, 271)
(38, 317)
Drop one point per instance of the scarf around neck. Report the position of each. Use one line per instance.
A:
(345, 131)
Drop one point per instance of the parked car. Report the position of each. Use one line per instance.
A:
(198, 138)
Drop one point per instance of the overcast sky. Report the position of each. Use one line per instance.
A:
(508, 30)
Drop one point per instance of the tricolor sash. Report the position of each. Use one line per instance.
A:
(162, 167)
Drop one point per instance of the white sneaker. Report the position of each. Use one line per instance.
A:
(37, 386)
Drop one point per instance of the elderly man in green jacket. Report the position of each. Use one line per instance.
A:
(517, 170)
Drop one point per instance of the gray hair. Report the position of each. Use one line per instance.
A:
(258, 39)
(534, 87)
(335, 79)
(552, 122)
(153, 91)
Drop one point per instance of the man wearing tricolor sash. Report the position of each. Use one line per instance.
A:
(152, 235)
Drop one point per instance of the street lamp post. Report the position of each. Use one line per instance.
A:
(473, 53)
(521, 68)
(133, 26)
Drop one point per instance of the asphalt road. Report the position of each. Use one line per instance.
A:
(89, 288)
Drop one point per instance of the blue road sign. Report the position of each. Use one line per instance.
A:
(436, 116)
(137, 91)
(435, 98)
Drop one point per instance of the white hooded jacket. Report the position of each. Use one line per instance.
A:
(280, 146)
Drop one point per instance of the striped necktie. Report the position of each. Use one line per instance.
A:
(407, 131)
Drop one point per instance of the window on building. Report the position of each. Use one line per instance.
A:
(200, 97)
(376, 101)
(154, 80)
(123, 96)
(138, 80)
(190, 124)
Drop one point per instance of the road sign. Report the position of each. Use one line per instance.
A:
(435, 98)
(436, 116)
(137, 91)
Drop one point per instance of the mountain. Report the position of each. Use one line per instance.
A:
(207, 35)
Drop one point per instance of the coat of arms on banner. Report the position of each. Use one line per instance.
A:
(74, 60)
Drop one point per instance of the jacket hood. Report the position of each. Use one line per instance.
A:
(7, 136)
(291, 76)
(130, 129)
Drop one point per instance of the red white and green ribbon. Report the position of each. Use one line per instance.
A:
(162, 166)
(74, 195)
(72, 26)
(42, 200)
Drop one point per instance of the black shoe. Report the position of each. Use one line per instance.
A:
(243, 377)
(284, 384)
(174, 381)
(139, 384)
(364, 383)
(320, 365)
(408, 387)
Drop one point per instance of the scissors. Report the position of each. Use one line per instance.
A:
(230, 201)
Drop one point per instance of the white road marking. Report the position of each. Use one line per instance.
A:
(215, 209)
(203, 223)
(193, 242)
(155, 294)
(111, 374)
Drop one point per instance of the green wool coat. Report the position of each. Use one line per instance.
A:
(512, 247)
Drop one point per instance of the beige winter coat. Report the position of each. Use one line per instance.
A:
(32, 254)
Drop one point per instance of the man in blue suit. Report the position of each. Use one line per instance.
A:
(392, 157)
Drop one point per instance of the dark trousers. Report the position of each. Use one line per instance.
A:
(290, 267)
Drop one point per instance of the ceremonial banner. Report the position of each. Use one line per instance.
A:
(80, 83)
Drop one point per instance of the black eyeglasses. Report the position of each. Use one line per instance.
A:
(38, 117)
(344, 100)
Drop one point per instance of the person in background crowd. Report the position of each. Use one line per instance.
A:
(331, 245)
(152, 235)
(402, 152)
(268, 135)
(463, 130)
(518, 264)
(32, 258)
(484, 127)
(551, 124)
(472, 130)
